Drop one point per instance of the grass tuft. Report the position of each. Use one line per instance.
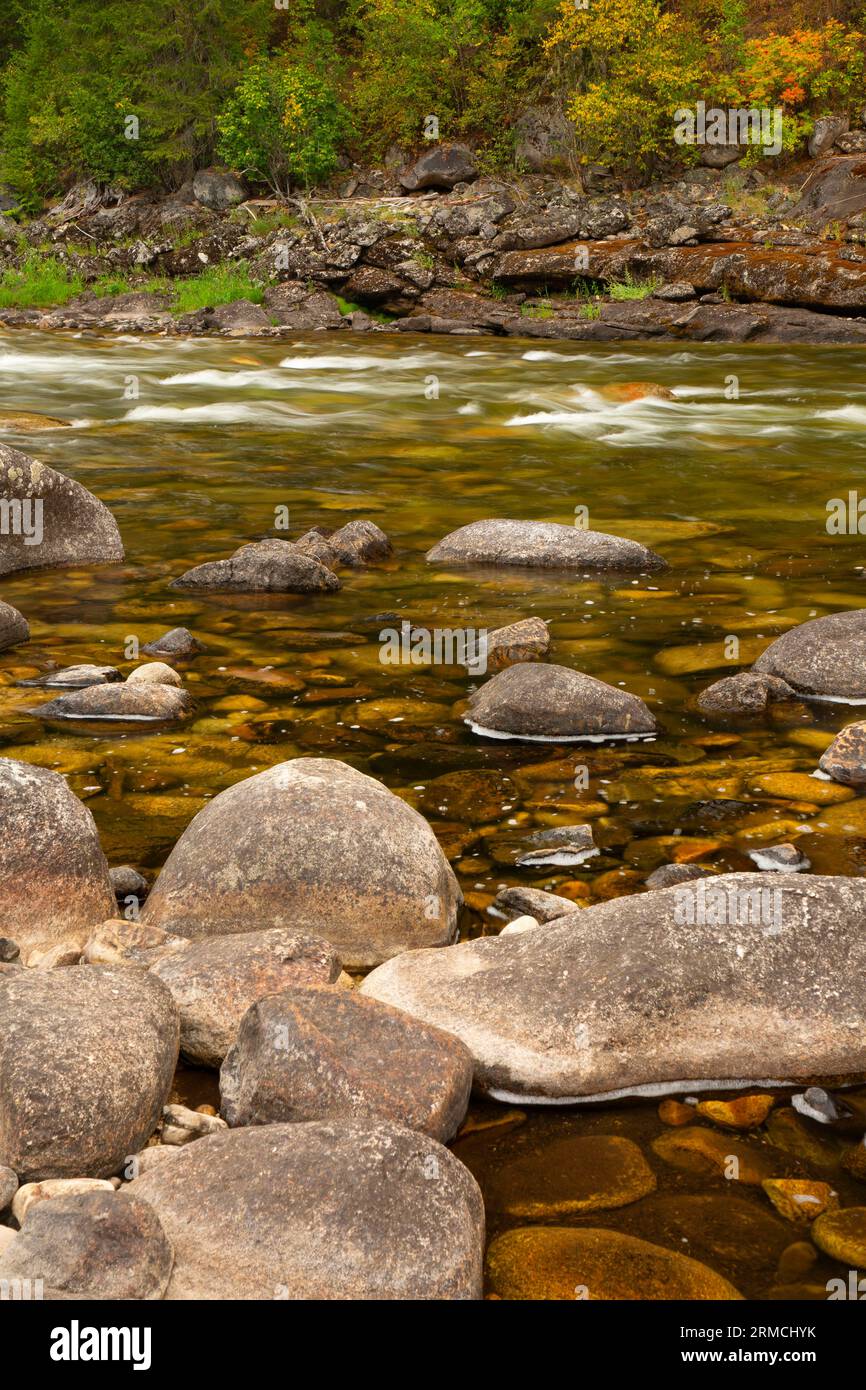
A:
(41, 282)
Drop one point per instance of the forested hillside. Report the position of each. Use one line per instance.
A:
(289, 92)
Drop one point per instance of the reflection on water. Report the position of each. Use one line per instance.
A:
(195, 445)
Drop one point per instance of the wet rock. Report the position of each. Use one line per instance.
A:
(180, 1125)
(553, 703)
(800, 1200)
(845, 759)
(127, 702)
(87, 1058)
(317, 1053)
(100, 1244)
(353, 1210)
(744, 1112)
(745, 693)
(782, 859)
(128, 882)
(122, 942)
(520, 924)
(315, 846)
(795, 1261)
(75, 678)
(9, 950)
(800, 786)
(269, 566)
(359, 543)
(667, 875)
(675, 1113)
(217, 189)
(54, 886)
(178, 642)
(154, 673)
(570, 1176)
(790, 1133)
(315, 543)
(33, 1194)
(13, 627)
(700, 1150)
(854, 1161)
(754, 975)
(26, 422)
(526, 640)
(561, 1263)
(54, 521)
(816, 1104)
(512, 903)
(541, 545)
(8, 1187)
(822, 659)
(825, 132)
(441, 167)
(214, 981)
(564, 846)
(628, 391)
(842, 1235)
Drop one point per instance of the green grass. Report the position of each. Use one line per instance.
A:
(219, 284)
(42, 282)
(627, 288)
(543, 309)
(273, 222)
(590, 310)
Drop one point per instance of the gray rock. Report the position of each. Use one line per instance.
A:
(783, 859)
(544, 139)
(440, 167)
(541, 545)
(75, 677)
(156, 672)
(269, 566)
(180, 1125)
(54, 886)
(8, 1187)
(9, 950)
(680, 236)
(742, 978)
(217, 189)
(852, 142)
(825, 133)
(845, 759)
(745, 693)
(359, 543)
(512, 903)
(127, 881)
(303, 307)
(87, 1058)
(526, 640)
(314, 846)
(318, 1053)
(13, 627)
(67, 523)
(178, 642)
(666, 875)
(675, 291)
(215, 980)
(315, 542)
(553, 703)
(140, 700)
(105, 1245)
(358, 1210)
(720, 156)
(565, 846)
(822, 659)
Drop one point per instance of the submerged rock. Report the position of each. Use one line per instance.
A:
(565, 846)
(512, 903)
(214, 981)
(542, 545)
(75, 677)
(800, 1200)
(824, 658)
(558, 1262)
(355, 1210)
(54, 886)
(570, 1176)
(842, 1235)
(527, 640)
(551, 703)
(14, 628)
(270, 566)
(103, 1245)
(87, 1058)
(741, 977)
(127, 702)
(845, 759)
(317, 847)
(317, 1053)
(54, 521)
(744, 693)
(178, 642)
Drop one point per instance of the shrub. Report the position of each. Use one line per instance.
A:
(281, 125)
(221, 284)
(40, 282)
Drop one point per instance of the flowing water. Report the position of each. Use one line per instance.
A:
(200, 446)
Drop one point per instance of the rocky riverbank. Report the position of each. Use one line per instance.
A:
(717, 255)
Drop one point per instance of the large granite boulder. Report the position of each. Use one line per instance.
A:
(49, 520)
(54, 886)
(356, 1210)
(270, 566)
(318, 1053)
(549, 703)
(215, 980)
(317, 847)
(541, 545)
(845, 759)
(735, 978)
(130, 701)
(87, 1058)
(14, 628)
(824, 659)
(441, 167)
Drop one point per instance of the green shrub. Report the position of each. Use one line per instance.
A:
(281, 125)
(41, 282)
(220, 284)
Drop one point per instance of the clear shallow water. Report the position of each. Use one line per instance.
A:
(194, 445)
